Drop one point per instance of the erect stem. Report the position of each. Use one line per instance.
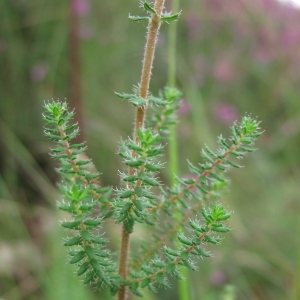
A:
(123, 262)
(153, 29)
(152, 34)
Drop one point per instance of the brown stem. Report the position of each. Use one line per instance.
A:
(123, 262)
(152, 34)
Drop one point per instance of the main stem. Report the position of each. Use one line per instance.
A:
(153, 29)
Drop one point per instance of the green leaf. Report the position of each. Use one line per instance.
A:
(153, 167)
(151, 181)
(68, 208)
(214, 175)
(160, 277)
(138, 101)
(98, 240)
(86, 235)
(134, 163)
(159, 264)
(189, 181)
(222, 167)
(171, 251)
(185, 240)
(171, 268)
(186, 193)
(202, 252)
(89, 277)
(125, 96)
(87, 207)
(83, 268)
(157, 101)
(121, 218)
(177, 275)
(96, 266)
(139, 191)
(82, 162)
(211, 239)
(247, 149)
(145, 282)
(220, 229)
(208, 218)
(148, 8)
(90, 252)
(126, 194)
(52, 136)
(189, 264)
(238, 154)
(71, 127)
(232, 163)
(90, 176)
(148, 270)
(202, 189)
(104, 254)
(55, 112)
(196, 241)
(59, 149)
(77, 257)
(127, 206)
(235, 132)
(133, 146)
(154, 152)
(195, 225)
(255, 135)
(134, 286)
(172, 94)
(206, 156)
(70, 225)
(105, 263)
(128, 224)
(139, 205)
(74, 241)
(75, 146)
(92, 222)
(168, 18)
(224, 217)
(49, 119)
(130, 178)
(210, 152)
(223, 142)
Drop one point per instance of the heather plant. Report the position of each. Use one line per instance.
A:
(181, 219)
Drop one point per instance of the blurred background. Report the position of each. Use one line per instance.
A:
(234, 57)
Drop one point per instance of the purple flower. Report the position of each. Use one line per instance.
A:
(264, 54)
(217, 278)
(184, 108)
(225, 113)
(224, 70)
(193, 25)
(289, 128)
(38, 71)
(81, 7)
(291, 37)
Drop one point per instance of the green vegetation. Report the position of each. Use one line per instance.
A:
(230, 60)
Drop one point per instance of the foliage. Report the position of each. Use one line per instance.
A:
(231, 58)
(136, 202)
